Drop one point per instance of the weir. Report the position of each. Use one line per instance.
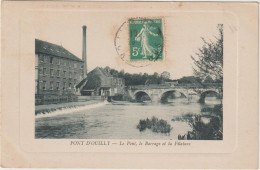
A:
(68, 110)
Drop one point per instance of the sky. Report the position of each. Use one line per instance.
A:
(182, 37)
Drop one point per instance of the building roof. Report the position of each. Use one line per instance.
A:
(53, 49)
(96, 76)
(101, 72)
(82, 83)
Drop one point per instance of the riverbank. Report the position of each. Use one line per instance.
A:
(42, 109)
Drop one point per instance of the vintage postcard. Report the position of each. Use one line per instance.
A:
(163, 80)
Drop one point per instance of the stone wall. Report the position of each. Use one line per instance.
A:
(41, 99)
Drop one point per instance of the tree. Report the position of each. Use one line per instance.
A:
(209, 60)
(121, 73)
(189, 80)
(113, 72)
(165, 75)
(107, 68)
(208, 80)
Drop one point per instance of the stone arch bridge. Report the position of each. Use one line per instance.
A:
(157, 93)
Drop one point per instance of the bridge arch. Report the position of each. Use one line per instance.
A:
(205, 93)
(141, 96)
(167, 93)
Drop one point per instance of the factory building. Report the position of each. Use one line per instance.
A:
(57, 72)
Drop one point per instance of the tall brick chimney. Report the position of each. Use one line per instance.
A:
(84, 51)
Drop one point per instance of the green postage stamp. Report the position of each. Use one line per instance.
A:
(146, 39)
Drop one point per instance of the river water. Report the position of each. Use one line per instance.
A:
(115, 121)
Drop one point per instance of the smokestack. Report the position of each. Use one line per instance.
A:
(84, 52)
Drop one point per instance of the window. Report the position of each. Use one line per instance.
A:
(64, 73)
(75, 75)
(51, 60)
(51, 72)
(58, 73)
(45, 58)
(39, 70)
(58, 61)
(41, 58)
(75, 65)
(51, 85)
(64, 86)
(70, 86)
(70, 74)
(58, 86)
(44, 85)
(36, 87)
(44, 71)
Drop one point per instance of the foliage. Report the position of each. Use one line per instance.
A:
(156, 125)
(209, 60)
(212, 130)
(209, 131)
(155, 78)
(139, 79)
(208, 80)
(165, 75)
(187, 117)
(189, 79)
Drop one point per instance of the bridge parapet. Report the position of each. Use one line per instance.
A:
(178, 86)
(156, 94)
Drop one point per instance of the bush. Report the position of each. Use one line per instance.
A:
(185, 118)
(156, 125)
(213, 130)
(210, 131)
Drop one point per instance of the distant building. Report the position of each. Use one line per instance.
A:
(101, 83)
(57, 72)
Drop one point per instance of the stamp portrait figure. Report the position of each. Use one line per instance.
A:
(146, 39)
(143, 36)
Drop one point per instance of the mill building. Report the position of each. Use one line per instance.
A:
(57, 72)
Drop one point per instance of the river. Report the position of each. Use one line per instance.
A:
(115, 121)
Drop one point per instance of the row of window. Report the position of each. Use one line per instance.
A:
(58, 73)
(54, 60)
(57, 86)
